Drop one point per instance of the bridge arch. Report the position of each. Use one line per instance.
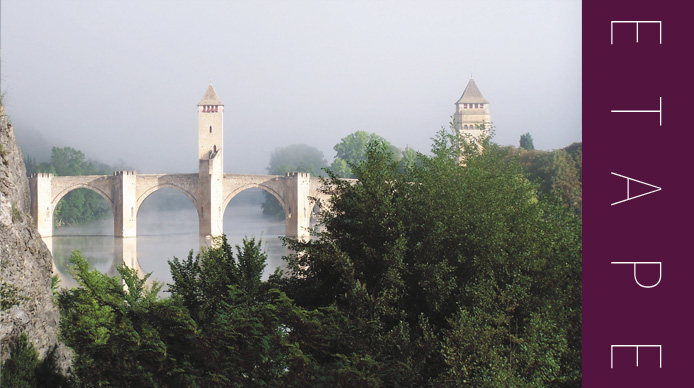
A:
(261, 186)
(141, 199)
(67, 190)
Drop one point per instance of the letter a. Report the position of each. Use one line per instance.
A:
(629, 198)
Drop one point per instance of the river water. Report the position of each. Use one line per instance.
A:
(161, 235)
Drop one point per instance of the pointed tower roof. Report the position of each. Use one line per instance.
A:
(210, 97)
(472, 94)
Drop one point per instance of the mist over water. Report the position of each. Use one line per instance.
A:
(164, 234)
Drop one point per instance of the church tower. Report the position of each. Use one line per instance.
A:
(472, 116)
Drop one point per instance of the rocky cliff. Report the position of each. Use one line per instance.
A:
(25, 261)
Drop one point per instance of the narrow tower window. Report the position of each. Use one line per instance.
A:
(214, 148)
(210, 129)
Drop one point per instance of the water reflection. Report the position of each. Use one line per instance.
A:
(162, 235)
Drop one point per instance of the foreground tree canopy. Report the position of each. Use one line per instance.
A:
(467, 276)
(427, 274)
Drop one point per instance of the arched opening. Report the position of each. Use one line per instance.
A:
(83, 211)
(167, 226)
(243, 217)
(82, 220)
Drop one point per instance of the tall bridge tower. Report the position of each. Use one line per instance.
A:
(211, 163)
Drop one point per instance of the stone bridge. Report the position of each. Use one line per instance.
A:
(125, 191)
(210, 189)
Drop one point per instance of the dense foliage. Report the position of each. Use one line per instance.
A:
(469, 277)
(558, 172)
(79, 206)
(427, 273)
(222, 327)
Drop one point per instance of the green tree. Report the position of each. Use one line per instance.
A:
(351, 150)
(223, 326)
(526, 141)
(408, 159)
(121, 333)
(292, 158)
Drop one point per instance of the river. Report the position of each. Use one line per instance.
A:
(161, 235)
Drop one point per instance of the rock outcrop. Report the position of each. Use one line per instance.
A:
(25, 261)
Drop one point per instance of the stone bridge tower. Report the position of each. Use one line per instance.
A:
(472, 116)
(211, 163)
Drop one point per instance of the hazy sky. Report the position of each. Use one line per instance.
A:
(121, 79)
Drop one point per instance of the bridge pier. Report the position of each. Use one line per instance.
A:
(125, 204)
(41, 198)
